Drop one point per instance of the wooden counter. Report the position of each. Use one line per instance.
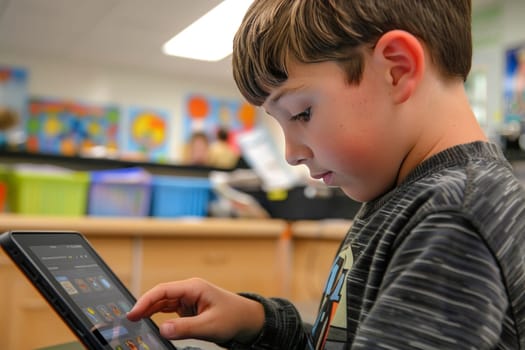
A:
(133, 227)
(332, 229)
(269, 257)
(239, 255)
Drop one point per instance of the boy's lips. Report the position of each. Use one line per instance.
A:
(326, 177)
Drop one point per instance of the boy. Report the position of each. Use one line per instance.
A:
(370, 97)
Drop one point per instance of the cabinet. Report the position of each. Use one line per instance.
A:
(315, 244)
(231, 263)
(239, 255)
(27, 310)
(6, 276)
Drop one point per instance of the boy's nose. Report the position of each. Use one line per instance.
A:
(295, 160)
(297, 154)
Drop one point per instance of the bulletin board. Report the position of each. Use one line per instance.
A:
(71, 128)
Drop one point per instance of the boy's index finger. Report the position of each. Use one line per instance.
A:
(138, 310)
(142, 307)
(154, 300)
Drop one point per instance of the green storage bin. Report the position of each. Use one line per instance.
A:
(43, 193)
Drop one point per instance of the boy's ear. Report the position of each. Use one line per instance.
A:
(403, 61)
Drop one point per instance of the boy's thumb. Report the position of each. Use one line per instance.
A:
(177, 328)
(168, 329)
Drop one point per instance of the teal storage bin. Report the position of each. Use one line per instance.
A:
(174, 196)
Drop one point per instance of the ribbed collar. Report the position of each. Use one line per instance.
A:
(455, 156)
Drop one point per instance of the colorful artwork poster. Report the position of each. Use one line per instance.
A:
(514, 86)
(72, 128)
(204, 114)
(14, 96)
(147, 133)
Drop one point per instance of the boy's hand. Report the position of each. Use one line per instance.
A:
(206, 312)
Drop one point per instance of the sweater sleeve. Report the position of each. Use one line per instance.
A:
(443, 290)
(283, 328)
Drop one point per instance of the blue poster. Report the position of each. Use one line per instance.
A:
(514, 88)
(146, 136)
(13, 97)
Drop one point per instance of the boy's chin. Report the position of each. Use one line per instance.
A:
(349, 192)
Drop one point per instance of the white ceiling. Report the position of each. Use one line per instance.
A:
(110, 32)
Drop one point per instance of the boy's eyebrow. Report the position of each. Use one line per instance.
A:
(285, 91)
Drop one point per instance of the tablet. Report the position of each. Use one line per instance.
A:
(82, 289)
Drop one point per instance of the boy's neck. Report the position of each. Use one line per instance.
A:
(445, 120)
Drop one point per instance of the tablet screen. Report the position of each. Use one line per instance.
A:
(96, 296)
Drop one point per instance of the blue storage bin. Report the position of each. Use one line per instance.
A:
(174, 196)
(120, 192)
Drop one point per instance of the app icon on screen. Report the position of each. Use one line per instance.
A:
(124, 306)
(103, 310)
(116, 310)
(104, 282)
(94, 283)
(82, 285)
(92, 314)
(67, 285)
(131, 345)
(142, 344)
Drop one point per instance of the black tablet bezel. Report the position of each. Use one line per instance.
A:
(17, 245)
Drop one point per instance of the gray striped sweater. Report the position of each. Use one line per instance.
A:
(436, 263)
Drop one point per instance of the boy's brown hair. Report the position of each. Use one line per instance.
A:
(276, 32)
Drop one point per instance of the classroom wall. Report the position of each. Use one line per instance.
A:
(123, 86)
(494, 30)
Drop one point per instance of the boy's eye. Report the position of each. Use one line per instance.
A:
(303, 116)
